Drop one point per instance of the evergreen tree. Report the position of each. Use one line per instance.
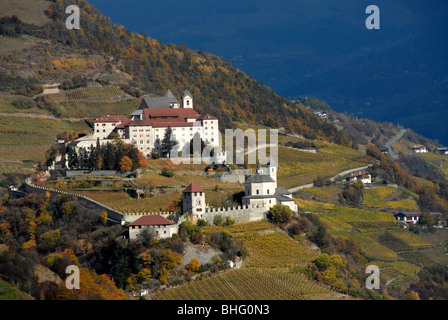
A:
(168, 142)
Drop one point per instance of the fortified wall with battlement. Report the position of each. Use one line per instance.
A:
(113, 215)
(238, 214)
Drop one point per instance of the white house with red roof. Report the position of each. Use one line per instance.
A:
(363, 176)
(419, 149)
(155, 224)
(147, 125)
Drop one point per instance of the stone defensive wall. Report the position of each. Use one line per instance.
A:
(239, 214)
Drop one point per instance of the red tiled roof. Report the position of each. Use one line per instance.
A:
(206, 116)
(159, 124)
(193, 187)
(181, 113)
(151, 220)
(124, 123)
(107, 118)
(173, 117)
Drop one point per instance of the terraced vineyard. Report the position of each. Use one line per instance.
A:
(340, 218)
(379, 198)
(275, 249)
(266, 273)
(110, 93)
(297, 167)
(268, 246)
(398, 273)
(369, 245)
(250, 284)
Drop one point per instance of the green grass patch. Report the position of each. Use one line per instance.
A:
(7, 292)
(324, 193)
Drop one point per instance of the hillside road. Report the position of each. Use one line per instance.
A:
(394, 139)
(340, 174)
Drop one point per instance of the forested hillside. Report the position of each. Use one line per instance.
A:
(218, 88)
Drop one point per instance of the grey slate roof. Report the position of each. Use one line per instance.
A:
(259, 178)
(282, 191)
(187, 93)
(159, 102)
(279, 197)
(409, 213)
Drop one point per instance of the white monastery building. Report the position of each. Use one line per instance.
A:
(261, 190)
(146, 126)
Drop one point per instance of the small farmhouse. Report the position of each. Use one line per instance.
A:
(155, 224)
(419, 149)
(442, 150)
(363, 176)
(408, 216)
(321, 114)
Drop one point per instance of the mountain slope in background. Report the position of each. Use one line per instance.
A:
(320, 49)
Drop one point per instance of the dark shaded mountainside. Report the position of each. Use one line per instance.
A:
(320, 49)
(218, 88)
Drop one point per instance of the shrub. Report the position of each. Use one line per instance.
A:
(218, 220)
(196, 238)
(202, 223)
(279, 214)
(166, 172)
(229, 221)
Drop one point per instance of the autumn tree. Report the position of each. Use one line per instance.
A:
(125, 164)
(193, 265)
(50, 240)
(92, 287)
(103, 217)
